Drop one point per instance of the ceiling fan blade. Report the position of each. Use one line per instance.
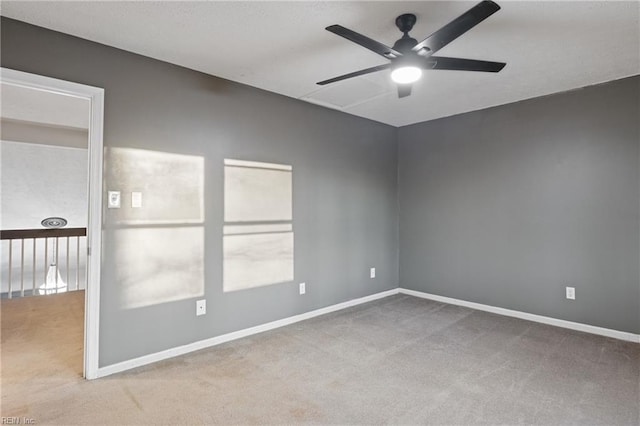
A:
(459, 64)
(355, 74)
(457, 27)
(404, 90)
(364, 41)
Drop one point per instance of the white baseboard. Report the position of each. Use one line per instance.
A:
(202, 344)
(621, 335)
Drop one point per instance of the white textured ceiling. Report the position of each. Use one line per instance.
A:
(282, 47)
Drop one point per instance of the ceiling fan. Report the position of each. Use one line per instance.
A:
(408, 57)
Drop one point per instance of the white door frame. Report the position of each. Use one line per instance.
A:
(94, 222)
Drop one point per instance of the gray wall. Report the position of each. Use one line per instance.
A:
(345, 183)
(509, 205)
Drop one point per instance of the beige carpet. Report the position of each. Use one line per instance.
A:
(399, 360)
(42, 346)
(42, 336)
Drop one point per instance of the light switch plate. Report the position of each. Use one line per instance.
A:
(372, 272)
(113, 200)
(303, 288)
(136, 200)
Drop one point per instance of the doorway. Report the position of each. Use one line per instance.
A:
(51, 260)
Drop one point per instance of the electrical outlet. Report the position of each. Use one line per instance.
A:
(571, 293)
(201, 307)
(303, 288)
(372, 272)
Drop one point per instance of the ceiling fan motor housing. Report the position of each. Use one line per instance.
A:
(405, 44)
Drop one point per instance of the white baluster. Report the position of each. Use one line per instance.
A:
(67, 262)
(33, 284)
(22, 267)
(10, 264)
(77, 262)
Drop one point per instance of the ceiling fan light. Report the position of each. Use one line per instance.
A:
(406, 75)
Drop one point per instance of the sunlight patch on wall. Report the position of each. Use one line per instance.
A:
(158, 248)
(172, 186)
(159, 265)
(257, 192)
(258, 230)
